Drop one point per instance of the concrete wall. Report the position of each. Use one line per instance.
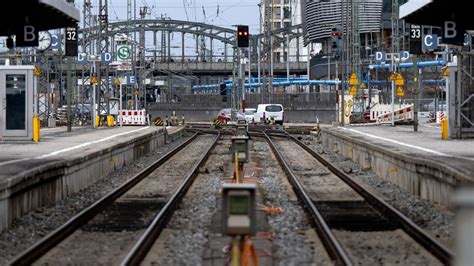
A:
(209, 115)
(51, 180)
(423, 177)
(299, 107)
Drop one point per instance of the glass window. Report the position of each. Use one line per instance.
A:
(15, 101)
(250, 111)
(273, 108)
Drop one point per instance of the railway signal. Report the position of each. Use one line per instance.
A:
(242, 36)
(336, 41)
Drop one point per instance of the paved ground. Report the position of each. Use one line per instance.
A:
(427, 141)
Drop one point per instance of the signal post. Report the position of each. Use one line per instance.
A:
(336, 48)
(242, 42)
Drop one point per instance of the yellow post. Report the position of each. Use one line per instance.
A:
(236, 167)
(444, 128)
(36, 128)
(97, 121)
(235, 252)
(110, 121)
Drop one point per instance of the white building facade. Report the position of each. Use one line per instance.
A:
(285, 13)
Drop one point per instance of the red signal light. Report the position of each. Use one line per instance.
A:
(243, 36)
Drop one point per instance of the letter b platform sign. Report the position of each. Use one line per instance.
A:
(26, 36)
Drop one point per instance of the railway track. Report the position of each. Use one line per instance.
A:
(252, 127)
(128, 219)
(347, 211)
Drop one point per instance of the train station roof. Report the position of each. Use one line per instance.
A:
(435, 12)
(43, 14)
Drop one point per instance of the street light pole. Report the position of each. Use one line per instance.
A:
(68, 92)
(93, 94)
(329, 67)
(415, 93)
(120, 104)
(337, 89)
(393, 91)
(288, 57)
(308, 63)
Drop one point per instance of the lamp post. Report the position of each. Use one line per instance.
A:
(94, 59)
(393, 89)
(369, 93)
(336, 79)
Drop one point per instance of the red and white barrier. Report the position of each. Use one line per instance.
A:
(402, 115)
(380, 109)
(132, 117)
(439, 116)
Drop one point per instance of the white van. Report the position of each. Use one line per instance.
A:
(265, 113)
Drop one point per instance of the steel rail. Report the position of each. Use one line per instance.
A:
(332, 245)
(146, 241)
(211, 131)
(441, 252)
(40, 248)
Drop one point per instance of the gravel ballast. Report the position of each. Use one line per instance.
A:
(182, 242)
(107, 234)
(435, 219)
(294, 242)
(33, 226)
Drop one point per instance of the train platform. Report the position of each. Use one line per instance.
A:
(36, 174)
(420, 162)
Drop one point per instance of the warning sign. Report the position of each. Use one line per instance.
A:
(37, 71)
(399, 81)
(391, 77)
(94, 80)
(400, 92)
(116, 81)
(353, 79)
(353, 91)
(445, 72)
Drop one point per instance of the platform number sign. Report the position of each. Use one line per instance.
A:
(415, 32)
(71, 41)
(415, 39)
(27, 36)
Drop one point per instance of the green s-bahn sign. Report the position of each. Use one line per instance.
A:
(123, 53)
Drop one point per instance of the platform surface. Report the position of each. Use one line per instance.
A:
(60, 144)
(426, 143)
(427, 140)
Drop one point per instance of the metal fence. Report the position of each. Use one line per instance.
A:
(291, 101)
